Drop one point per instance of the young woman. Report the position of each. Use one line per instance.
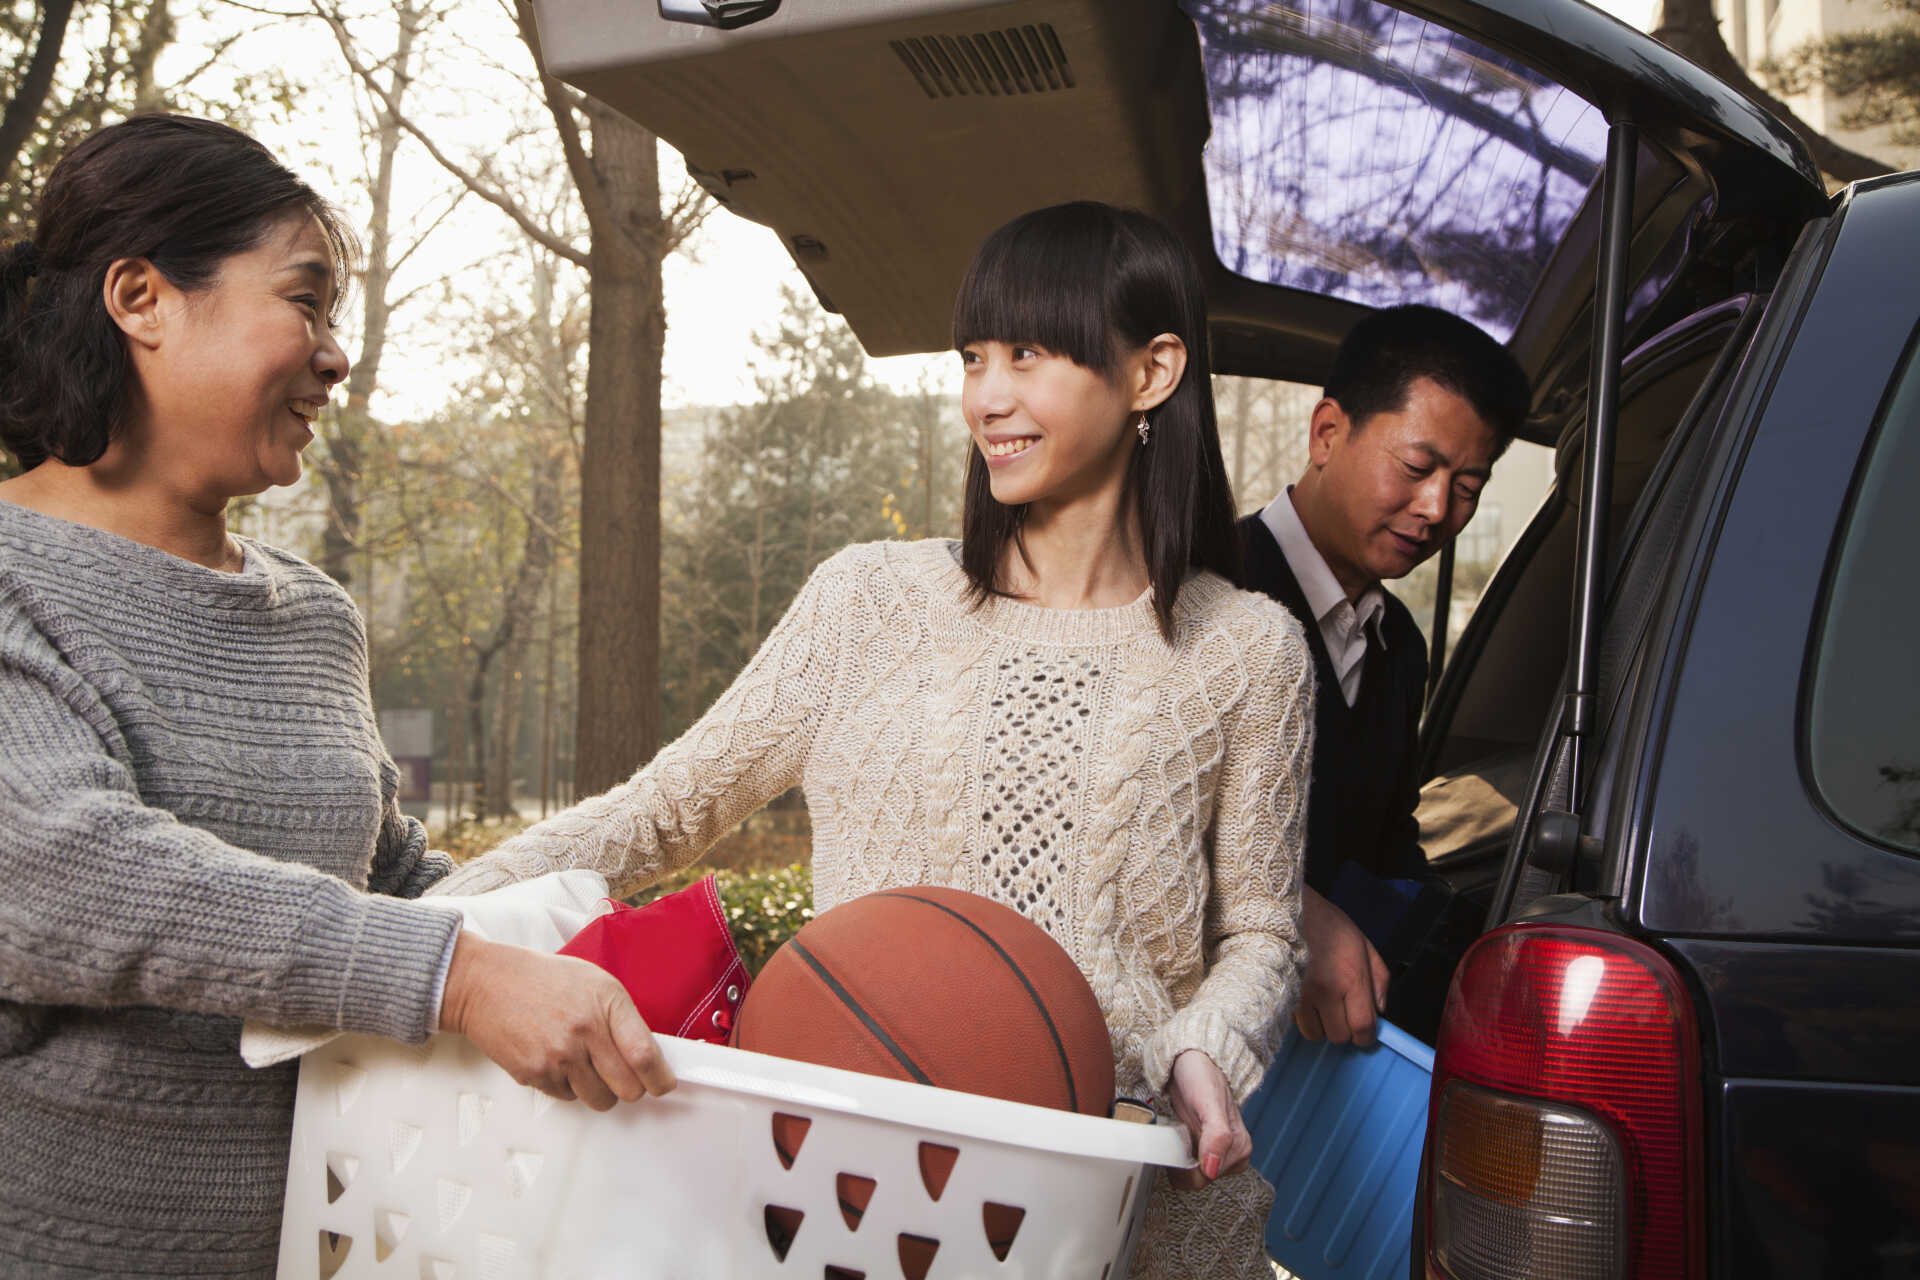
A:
(1070, 710)
(197, 819)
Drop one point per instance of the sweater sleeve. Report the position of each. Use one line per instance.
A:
(1255, 955)
(751, 746)
(110, 901)
(403, 866)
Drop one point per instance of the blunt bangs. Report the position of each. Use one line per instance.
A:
(1045, 278)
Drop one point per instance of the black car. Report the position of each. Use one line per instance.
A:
(1686, 710)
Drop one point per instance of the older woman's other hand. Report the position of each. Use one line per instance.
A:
(562, 1025)
(1204, 1103)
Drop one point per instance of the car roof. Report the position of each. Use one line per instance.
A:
(883, 139)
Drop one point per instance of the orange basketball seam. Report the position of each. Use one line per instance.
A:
(859, 1011)
(1059, 1046)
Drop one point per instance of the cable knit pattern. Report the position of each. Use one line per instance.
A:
(193, 793)
(1143, 802)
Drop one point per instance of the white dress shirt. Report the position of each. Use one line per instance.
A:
(1344, 624)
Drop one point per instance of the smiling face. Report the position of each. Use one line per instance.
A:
(1051, 431)
(1379, 499)
(230, 378)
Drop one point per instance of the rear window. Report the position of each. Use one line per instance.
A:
(1864, 727)
(1360, 152)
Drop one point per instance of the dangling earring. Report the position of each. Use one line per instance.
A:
(1142, 427)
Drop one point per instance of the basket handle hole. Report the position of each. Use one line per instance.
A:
(916, 1255)
(936, 1166)
(389, 1228)
(334, 1248)
(855, 1194)
(342, 1169)
(1003, 1224)
(844, 1273)
(783, 1225)
(788, 1133)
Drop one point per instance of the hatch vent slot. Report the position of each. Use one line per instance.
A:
(1015, 60)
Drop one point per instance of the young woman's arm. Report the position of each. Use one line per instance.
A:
(1253, 940)
(749, 748)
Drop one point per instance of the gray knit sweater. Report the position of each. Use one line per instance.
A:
(193, 798)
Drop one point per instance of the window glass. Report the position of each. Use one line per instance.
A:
(1360, 152)
(1865, 724)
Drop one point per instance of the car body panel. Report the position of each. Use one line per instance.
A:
(1737, 846)
(1815, 1181)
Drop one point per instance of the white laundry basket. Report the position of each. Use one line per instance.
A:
(430, 1163)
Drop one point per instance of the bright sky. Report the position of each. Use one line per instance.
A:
(718, 296)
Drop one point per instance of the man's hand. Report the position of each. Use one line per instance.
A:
(1204, 1103)
(1346, 984)
(562, 1025)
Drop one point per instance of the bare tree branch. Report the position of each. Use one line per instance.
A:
(492, 195)
(433, 226)
(585, 177)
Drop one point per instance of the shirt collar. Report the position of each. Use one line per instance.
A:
(1323, 591)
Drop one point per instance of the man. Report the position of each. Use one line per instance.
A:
(1419, 405)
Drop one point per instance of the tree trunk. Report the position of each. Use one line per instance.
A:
(156, 33)
(516, 635)
(346, 438)
(30, 96)
(1689, 28)
(618, 726)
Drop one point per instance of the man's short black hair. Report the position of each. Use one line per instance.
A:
(1381, 356)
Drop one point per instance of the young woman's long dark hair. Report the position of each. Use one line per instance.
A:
(1092, 282)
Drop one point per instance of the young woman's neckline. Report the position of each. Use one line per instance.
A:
(1038, 623)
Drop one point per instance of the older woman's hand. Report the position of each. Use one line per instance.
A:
(562, 1025)
(1204, 1103)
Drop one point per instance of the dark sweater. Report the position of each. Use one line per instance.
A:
(1365, 757)
(193, 800)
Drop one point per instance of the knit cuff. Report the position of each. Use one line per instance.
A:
(369, 963)
(481, 875)
(1209, 1032)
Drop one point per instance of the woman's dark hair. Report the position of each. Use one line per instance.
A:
(1092, 283)
(183, 193)
(1374, 369)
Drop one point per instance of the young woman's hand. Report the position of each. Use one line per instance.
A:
(1204, 1103)
(562, 1025)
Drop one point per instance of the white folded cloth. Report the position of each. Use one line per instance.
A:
(542, 914)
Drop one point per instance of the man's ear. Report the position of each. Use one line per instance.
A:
(1158, 368)
(1327, 429)
(134, 294)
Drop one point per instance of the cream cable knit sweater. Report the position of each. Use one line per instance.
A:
(1144, 803)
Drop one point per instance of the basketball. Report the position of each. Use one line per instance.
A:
(940, 987)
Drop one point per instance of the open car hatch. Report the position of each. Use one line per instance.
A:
(1321, 158)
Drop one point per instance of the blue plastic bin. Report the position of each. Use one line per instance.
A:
(1337, 1130)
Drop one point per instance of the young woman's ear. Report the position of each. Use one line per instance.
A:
(1157, 370)
(133, 294)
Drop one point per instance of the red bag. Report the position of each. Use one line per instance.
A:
(676, 958)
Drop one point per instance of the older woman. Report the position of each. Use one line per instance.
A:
(197, 818)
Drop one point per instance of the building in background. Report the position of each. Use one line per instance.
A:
(1756, 30)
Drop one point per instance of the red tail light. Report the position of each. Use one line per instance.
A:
(1564, 1135)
